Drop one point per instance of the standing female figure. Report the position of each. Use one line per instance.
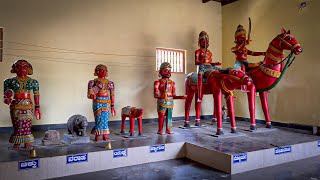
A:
(17, 94)
(101, 91)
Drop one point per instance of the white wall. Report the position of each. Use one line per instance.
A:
(109, 26)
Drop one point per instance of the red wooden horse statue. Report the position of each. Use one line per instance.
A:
(219, 82)
(269, 72)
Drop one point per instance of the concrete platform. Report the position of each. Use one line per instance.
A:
(251, 150)
(68, 138)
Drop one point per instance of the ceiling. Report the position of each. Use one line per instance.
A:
(223, 2)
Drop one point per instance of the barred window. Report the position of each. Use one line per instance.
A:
(176, 57)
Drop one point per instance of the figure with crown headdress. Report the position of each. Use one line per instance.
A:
(165, 93)
(203, 58)
(17, 94)
(240, 49)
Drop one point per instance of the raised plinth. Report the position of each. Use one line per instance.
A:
(230, 153)
(247, 161)
(68, 138)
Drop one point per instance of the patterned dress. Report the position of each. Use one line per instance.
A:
(21, 108)
(166, 104)
(101, 105)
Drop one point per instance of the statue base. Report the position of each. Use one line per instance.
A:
(228, 135)
(51, 142)
(51, 137)
(192, 126)
(136, 136)
(68, 138)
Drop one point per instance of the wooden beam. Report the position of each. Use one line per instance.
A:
(1, 44)
(205, 1)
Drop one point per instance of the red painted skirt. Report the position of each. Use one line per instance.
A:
(21, 112)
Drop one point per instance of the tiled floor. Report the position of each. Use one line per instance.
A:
(185, 169)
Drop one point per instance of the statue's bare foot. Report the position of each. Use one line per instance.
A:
(169, 132)
(106, 137)
(98, 138)
(16, 146)
(28, 146)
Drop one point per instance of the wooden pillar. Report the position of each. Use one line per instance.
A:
(1, 43)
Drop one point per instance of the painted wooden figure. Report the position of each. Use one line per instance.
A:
(165, 93)
(101, 91)
(218, 83)
(17, 94)
(133, 113)
(203, 58)
(240, 50)
(267, 74)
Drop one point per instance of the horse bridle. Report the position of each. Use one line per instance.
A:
(233, 77)
(282, 40)
(237, 78)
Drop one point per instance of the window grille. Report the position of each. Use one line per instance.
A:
(176, 57)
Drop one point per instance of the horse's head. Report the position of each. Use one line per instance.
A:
(286, 41)
(238, 77)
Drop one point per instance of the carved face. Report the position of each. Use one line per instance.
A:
(204, 42)
(240, 39)
(165, 72)
(22, 68)
(81, 122)
(101, 71)
(84, 123)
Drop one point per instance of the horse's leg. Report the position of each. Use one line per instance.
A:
(252, 106)
(197, 108)
(187, 108)
(140, 125)
(214, 117)
(230, 105)
(132, 119)
(123, 122)
(265, 107)
(217, 95)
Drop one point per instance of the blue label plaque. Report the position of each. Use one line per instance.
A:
(282, 150)
(239, 158)
(77, 158)
(157, 148)
(120, 153)
(29, 164)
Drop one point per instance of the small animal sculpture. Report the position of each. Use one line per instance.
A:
(132, 113)
(51, 137)
(77, 125)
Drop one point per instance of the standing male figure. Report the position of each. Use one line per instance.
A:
(165, 92)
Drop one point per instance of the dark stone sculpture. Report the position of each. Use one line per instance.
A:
(51, 137)
(77, 125)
